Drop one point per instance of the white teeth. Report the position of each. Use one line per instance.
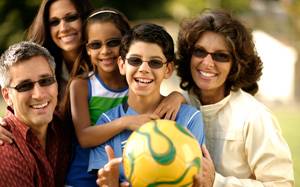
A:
(206, 74)
(40, 105)
(68, 38)
(107, 61)
(146, 81)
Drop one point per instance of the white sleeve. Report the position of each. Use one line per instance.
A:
(268, 155)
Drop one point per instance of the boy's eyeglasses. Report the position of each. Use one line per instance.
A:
(153, 63)
(28, 85)
(110, 43)
(216, 56)
(68, 18)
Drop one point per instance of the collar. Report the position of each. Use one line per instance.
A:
(24, 129)
(15, 123)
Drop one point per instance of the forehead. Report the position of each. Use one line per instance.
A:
(102, 31)
(32, 69)
(212, 41)
(61, 8)
(145, 49)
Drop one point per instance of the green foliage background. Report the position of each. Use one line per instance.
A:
(16, 16)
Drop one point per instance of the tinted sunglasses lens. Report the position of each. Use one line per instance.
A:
(26, 86)
(71, 18)
(23, 87)
(134, 61)
(221, 57)
(47, 81)
(94, 45)
(155, 64)
(113, 43)
(54, 22)
(201, 53)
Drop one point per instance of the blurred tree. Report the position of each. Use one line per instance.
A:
(180, 9)
(137, 9)
(293, 9)
(15, 16)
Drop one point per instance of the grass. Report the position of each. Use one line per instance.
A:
(289, 118)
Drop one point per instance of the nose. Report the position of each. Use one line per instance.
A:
(144, 67)
(64, 25)
(38, 92)
(208, 61)
(105, 50)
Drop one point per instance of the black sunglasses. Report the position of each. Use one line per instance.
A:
(115, 42)
(28, 85)
(153, 63)
(216, 56)
(68, 18)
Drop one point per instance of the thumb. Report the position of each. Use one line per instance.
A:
(125, 184)
(154, 116)
(109, 152)
(205, 152)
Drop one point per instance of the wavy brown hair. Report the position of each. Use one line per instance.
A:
(246, 67)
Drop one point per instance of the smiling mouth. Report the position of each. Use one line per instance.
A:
(40, 106)
(206, 74)
(143, 81)
(68, 38)
(108, 60)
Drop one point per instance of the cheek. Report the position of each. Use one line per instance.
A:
(53, 30)
(193, 65)
(77, 26)
(116, 51)
(226, 68)
(93, 54)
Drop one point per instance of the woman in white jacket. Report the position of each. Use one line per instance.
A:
(219, 67)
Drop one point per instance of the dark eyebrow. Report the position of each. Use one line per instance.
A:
(218, 50)
(41, 76)
(67, 14)
(156, 57)
(46, 75)
(113, 38)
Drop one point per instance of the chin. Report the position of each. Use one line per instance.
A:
(43, 119)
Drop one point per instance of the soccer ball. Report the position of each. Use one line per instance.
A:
(161, 153)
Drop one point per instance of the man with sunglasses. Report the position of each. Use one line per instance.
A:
(40, 152)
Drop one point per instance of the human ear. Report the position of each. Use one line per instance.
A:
(121, 64)
(6, 97)
(88, 50)
(169, 70)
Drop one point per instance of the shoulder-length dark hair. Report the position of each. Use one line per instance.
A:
(39, 30)
(246, 67)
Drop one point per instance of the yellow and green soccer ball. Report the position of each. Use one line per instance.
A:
(161, 153)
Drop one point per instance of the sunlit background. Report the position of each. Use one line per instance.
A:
(275, 25)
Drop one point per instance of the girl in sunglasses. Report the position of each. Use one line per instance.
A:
(219, 68)
(100, 89)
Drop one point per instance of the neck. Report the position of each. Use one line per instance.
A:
(41, 134)
(143, 105)
(69, 58)
(210, 97)
(114, 80)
